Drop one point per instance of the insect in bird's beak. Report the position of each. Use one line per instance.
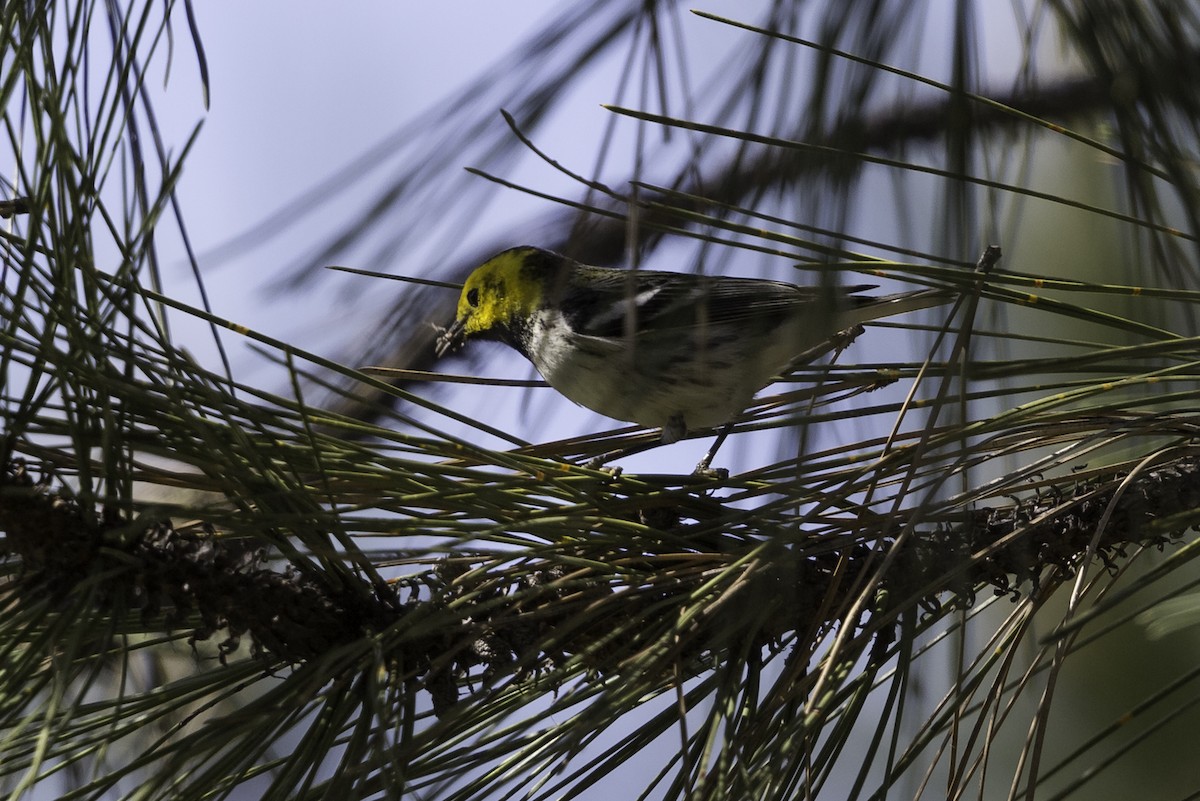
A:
(449, 339)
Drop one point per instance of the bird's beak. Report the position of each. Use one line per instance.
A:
(451, 338)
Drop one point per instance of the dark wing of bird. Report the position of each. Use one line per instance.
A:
(664, 301)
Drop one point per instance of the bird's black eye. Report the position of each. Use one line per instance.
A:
(473, 297)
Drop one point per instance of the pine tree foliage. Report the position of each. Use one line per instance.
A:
(351, 588)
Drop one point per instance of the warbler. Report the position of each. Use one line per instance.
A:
(677, 351)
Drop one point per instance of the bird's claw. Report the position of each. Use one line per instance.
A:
(704, 471)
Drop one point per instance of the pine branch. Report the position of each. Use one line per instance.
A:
(479, 626)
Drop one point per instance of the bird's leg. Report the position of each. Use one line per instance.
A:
(702, 467)
(673, 431)
(619, 453)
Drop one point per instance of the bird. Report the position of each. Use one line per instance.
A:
(675, 351)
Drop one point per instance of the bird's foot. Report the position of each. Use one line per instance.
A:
(704, 471)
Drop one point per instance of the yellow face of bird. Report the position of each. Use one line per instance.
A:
(501, 291)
